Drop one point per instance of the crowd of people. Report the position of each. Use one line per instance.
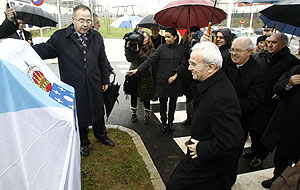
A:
(233, 90)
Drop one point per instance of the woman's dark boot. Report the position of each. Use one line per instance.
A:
(170, 126)
(163, 127)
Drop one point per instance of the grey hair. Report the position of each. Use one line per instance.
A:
(83, 7)
(210, 53)
(284, 38)
(248, 42)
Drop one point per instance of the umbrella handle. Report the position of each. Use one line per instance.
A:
(209, 28)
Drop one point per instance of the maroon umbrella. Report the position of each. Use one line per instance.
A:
(186, 13)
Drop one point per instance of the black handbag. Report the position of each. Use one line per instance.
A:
(131, 85)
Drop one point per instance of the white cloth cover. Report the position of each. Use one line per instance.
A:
(39, 138)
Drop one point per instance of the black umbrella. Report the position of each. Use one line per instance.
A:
(35, 16)
(286, 12)
(111, 96)
(148, 22)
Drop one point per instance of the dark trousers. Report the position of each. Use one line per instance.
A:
(163, 109)
(280, 164)
(260, 151)
(99, 130)
(133, 100)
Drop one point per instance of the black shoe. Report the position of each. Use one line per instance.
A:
(267, 183)
(163, 128)
(188, 121)
(248, 155)
(170, 127)
(108, 142)
(84, 150)
(256, 162)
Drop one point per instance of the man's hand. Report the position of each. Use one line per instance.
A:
(193, 148)
(104, 87)
(206, 37)
(132, 72)
(294, 80)
(128, 44)
(113, 72)
(276, 97)
(172, 78)
(10, 14)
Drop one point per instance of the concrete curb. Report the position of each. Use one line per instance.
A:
(155, 178)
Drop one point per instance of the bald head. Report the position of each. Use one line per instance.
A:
(247, 42)
(241, 49)
(277, 42)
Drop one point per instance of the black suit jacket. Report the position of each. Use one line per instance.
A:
(26, 34)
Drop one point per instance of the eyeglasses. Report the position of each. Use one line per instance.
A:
(82, 21)
(232, 50)
(221, 37)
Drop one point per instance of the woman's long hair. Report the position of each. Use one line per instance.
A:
(149, 45)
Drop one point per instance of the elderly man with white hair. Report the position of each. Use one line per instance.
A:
(216, 132)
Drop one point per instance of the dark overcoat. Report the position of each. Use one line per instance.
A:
(145, 82)
(279, 64)
(169, 59)
(7, 28)
(85, 74)
(216, 124)
(248, 83)
(283, 129)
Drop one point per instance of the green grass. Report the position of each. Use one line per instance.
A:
(114, 168)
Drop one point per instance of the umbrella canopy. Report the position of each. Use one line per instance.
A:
(148, 22)
(282, 27)
(186, 13)
(111, 96)
(35, 16)
(286, 12)
(126, 22)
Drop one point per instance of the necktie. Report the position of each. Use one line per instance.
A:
(20, 35)
(82, 39)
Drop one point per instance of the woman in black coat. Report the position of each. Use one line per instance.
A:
(170, 61)
(136, 56)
